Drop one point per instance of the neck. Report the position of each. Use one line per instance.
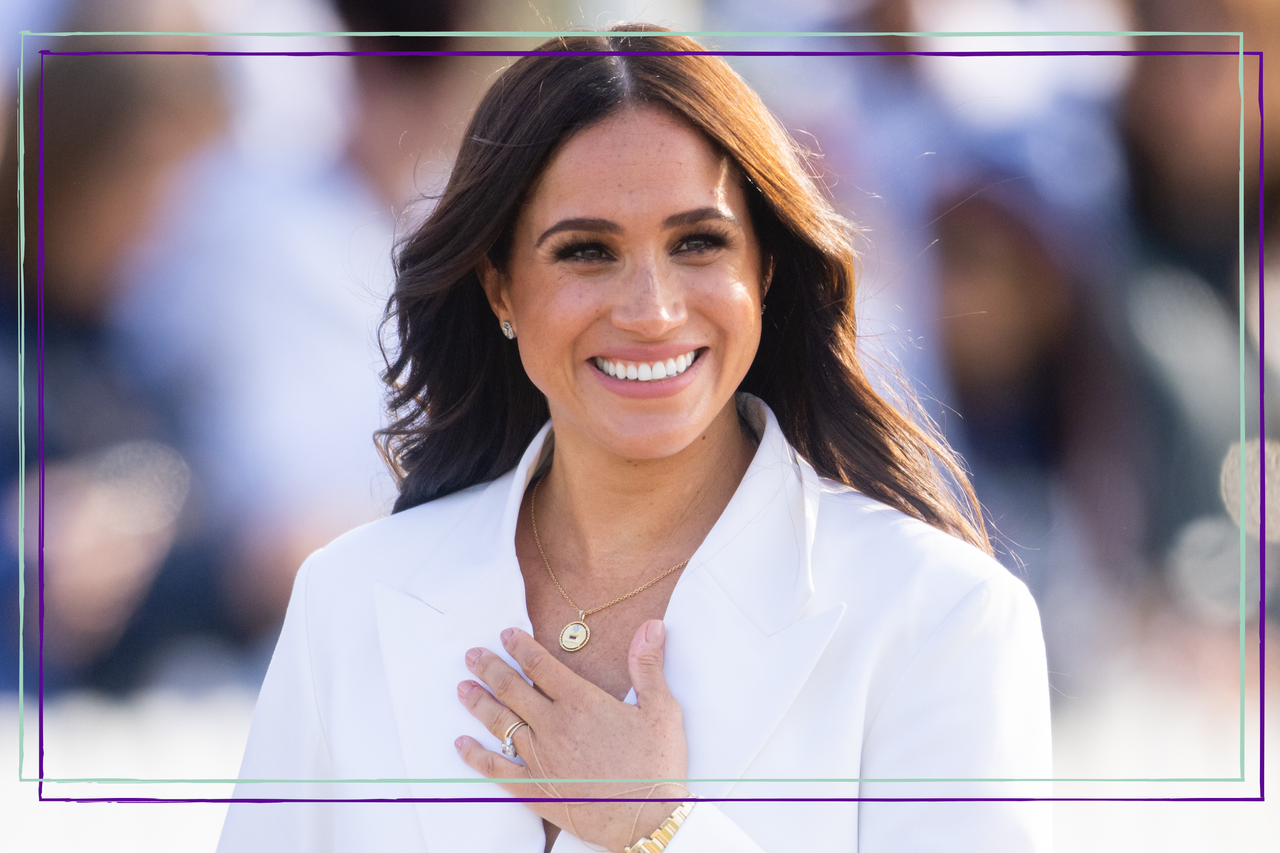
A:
(614, 521)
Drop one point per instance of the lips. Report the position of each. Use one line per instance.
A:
(641, 371)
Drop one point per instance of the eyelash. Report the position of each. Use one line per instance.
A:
(713, 239)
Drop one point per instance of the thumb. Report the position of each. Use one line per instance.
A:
(645, 662)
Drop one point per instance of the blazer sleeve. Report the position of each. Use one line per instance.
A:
(709, 830)
(971, 703)
(286, 742)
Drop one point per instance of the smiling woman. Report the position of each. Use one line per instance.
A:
(636, 288)
(659, 546)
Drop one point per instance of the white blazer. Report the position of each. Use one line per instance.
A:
(816, 636)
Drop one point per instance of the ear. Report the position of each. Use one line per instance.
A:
(496, 289)
(766, 279)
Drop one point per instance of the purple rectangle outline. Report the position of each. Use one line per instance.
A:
(1262, 621)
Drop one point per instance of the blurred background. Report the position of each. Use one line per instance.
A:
(1050, 255)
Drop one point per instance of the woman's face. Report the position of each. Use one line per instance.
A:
(634, 250)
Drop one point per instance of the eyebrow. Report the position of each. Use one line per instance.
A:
(605, 226)
(700, 215)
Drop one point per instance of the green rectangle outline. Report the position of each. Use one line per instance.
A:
(534, 34)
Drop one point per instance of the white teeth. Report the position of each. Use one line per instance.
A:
(647, 372)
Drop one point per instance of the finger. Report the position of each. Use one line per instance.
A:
(495, 716)
(644, 663)
(490, 764)
(513, 778)
(505, 683)
(550, 675)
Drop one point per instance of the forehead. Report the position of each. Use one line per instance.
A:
(636, 161)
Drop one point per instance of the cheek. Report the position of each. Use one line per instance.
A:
(552, 318)
(735, 308)
(747, 303)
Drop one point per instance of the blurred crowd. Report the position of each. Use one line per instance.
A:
(217, 237)
(1050, 261)
(1051, 255)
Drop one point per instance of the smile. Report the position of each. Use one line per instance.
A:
(646, 372)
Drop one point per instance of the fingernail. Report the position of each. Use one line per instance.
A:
(507, 635)
(654, 632)
(465, 687)
(473, 656)
(457, 744)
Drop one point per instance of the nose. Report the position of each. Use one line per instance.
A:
(650, 303)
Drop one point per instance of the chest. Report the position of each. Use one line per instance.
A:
(603, 659)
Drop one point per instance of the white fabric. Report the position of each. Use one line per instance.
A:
(816, 635)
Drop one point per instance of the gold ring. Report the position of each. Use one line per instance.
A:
(509, 745)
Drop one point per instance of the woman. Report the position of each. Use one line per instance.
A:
(722, 559)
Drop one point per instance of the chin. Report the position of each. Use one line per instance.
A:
(653, 436)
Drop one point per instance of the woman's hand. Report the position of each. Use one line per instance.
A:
(577, 731)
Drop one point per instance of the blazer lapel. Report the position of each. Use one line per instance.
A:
(422, 650)
(740, 642)
(469, 589)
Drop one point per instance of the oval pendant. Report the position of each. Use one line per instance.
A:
(574, 636)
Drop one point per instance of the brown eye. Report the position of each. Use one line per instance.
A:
(696, 243)
(583, 252)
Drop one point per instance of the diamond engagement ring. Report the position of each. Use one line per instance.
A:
(509, 745)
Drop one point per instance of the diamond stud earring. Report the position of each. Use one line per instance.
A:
(508, 330)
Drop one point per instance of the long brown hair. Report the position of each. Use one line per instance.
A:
(464, 410)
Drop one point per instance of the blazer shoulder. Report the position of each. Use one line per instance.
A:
(390, 549)
(864, 541)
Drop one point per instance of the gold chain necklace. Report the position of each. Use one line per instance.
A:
(576, 634)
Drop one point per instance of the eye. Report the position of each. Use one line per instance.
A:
(583, 251)
(701, 242)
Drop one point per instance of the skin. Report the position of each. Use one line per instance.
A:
(669, 263)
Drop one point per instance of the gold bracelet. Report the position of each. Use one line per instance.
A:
(661, 836)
